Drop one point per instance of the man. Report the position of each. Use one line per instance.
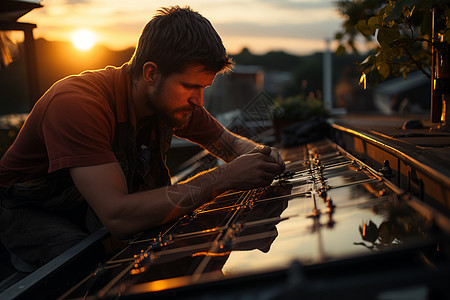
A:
(94, 145)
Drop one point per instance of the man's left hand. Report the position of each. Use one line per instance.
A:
(276, 156)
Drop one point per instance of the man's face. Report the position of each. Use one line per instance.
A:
(179, 94)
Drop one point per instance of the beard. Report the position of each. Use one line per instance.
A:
(177, 118)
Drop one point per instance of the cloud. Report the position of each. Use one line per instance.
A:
(292, 4)
(318, 30)
(75, 2)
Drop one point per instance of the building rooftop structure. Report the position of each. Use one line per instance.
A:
(10, 12)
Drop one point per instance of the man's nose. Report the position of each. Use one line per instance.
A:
(197, 98)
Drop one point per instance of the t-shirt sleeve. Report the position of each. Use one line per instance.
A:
(202, 128)
(78, 132)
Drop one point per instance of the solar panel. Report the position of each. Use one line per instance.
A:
(327, 218)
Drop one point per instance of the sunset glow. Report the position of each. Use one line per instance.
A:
(83, 39)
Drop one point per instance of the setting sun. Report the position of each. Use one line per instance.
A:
(83, 39)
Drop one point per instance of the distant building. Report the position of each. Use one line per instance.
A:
(234, 90)
(275, 81)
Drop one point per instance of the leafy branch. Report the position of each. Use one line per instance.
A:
(399, 32)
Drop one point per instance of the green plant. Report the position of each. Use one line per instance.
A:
(402, 29)
(298, 108)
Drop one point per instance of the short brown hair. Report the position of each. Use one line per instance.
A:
(176, 38)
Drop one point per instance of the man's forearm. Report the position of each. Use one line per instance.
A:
(186, 196)
(104, 187)
(229, 146)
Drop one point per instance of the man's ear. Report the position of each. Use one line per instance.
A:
(151, 73)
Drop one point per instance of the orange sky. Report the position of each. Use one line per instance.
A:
(295, 26)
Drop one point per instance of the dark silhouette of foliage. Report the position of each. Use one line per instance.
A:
(400, 31)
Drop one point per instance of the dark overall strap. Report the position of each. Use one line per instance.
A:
(157, 174)
(143, 158)
(125, 150)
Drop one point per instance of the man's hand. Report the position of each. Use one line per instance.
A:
(274, 153)
(254, 169)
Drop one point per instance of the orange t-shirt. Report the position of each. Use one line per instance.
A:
(73, 125)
